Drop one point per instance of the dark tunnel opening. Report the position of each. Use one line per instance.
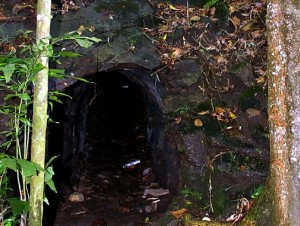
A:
(113, 120)
(116, 122)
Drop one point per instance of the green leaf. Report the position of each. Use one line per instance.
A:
(57, 73)
(57, 93)
(55, 99)
(93, 39)
(48, 178)
(84, 43)
(3, 156)
(10, 163)
(257, 192)
(50, 50)
(46, 200)
(51, 160)
(8, 70)
(6, 144)
(210, 3)
(68, 54)
(23, 96)
(18, 206)
(51, 107)
(37, 68)
(51, 185)
(25, 121)
(29, 168)
(81, 79)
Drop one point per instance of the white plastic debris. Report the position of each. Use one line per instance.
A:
(206, 219)
(132, 163)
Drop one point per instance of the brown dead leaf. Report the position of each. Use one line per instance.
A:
(177, 120)
(123, 209)
(219, 110)
(198, 122)
(19, 7)
(177, 52)
(256, 34)
(236, 21)
(203, 112)
(221, 59)
(250, 53)
(260, 79)
(242, 168)
(232, 9)
(178, 213)
(212, 11)
(248, 26)
(162, 5)
(195, 18)
(80, 29)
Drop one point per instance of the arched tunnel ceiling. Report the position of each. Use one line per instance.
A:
(117, 109)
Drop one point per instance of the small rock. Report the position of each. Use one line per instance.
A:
(101, 176)
(148, 209)
(146, 172)
(252, 112)
(76, 197)
(156, 192)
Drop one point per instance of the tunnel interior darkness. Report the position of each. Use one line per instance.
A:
(104, 121)
(108, 122)
(114, 119)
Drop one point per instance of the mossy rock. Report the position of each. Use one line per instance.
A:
(248, 98)
(188, 220)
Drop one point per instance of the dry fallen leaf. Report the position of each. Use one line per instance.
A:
(247, 27)
(219, 110)
(203, 112)
(232, 9)
(260, 79)
(232, 115)
(172, 7)
(242, 168)
(80, 29)
(177, 120)
(195, 18)
(236, 21)
(178, 213)
(198, 122)
(177, 53)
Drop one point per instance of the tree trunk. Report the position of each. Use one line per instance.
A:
(40, 117)
(284, 111)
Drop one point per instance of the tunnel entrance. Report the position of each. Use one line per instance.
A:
(111, 149)
(116, 122)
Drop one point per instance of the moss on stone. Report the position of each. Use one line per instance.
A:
(248, 98)
(220, 201)
(261, 213)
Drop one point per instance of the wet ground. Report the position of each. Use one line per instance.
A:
(113, 193)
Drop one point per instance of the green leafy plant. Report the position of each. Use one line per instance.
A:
(184, 110)
(210, 3)
(191, 193)
(17, 77)
(180, 148)
(258, 191)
